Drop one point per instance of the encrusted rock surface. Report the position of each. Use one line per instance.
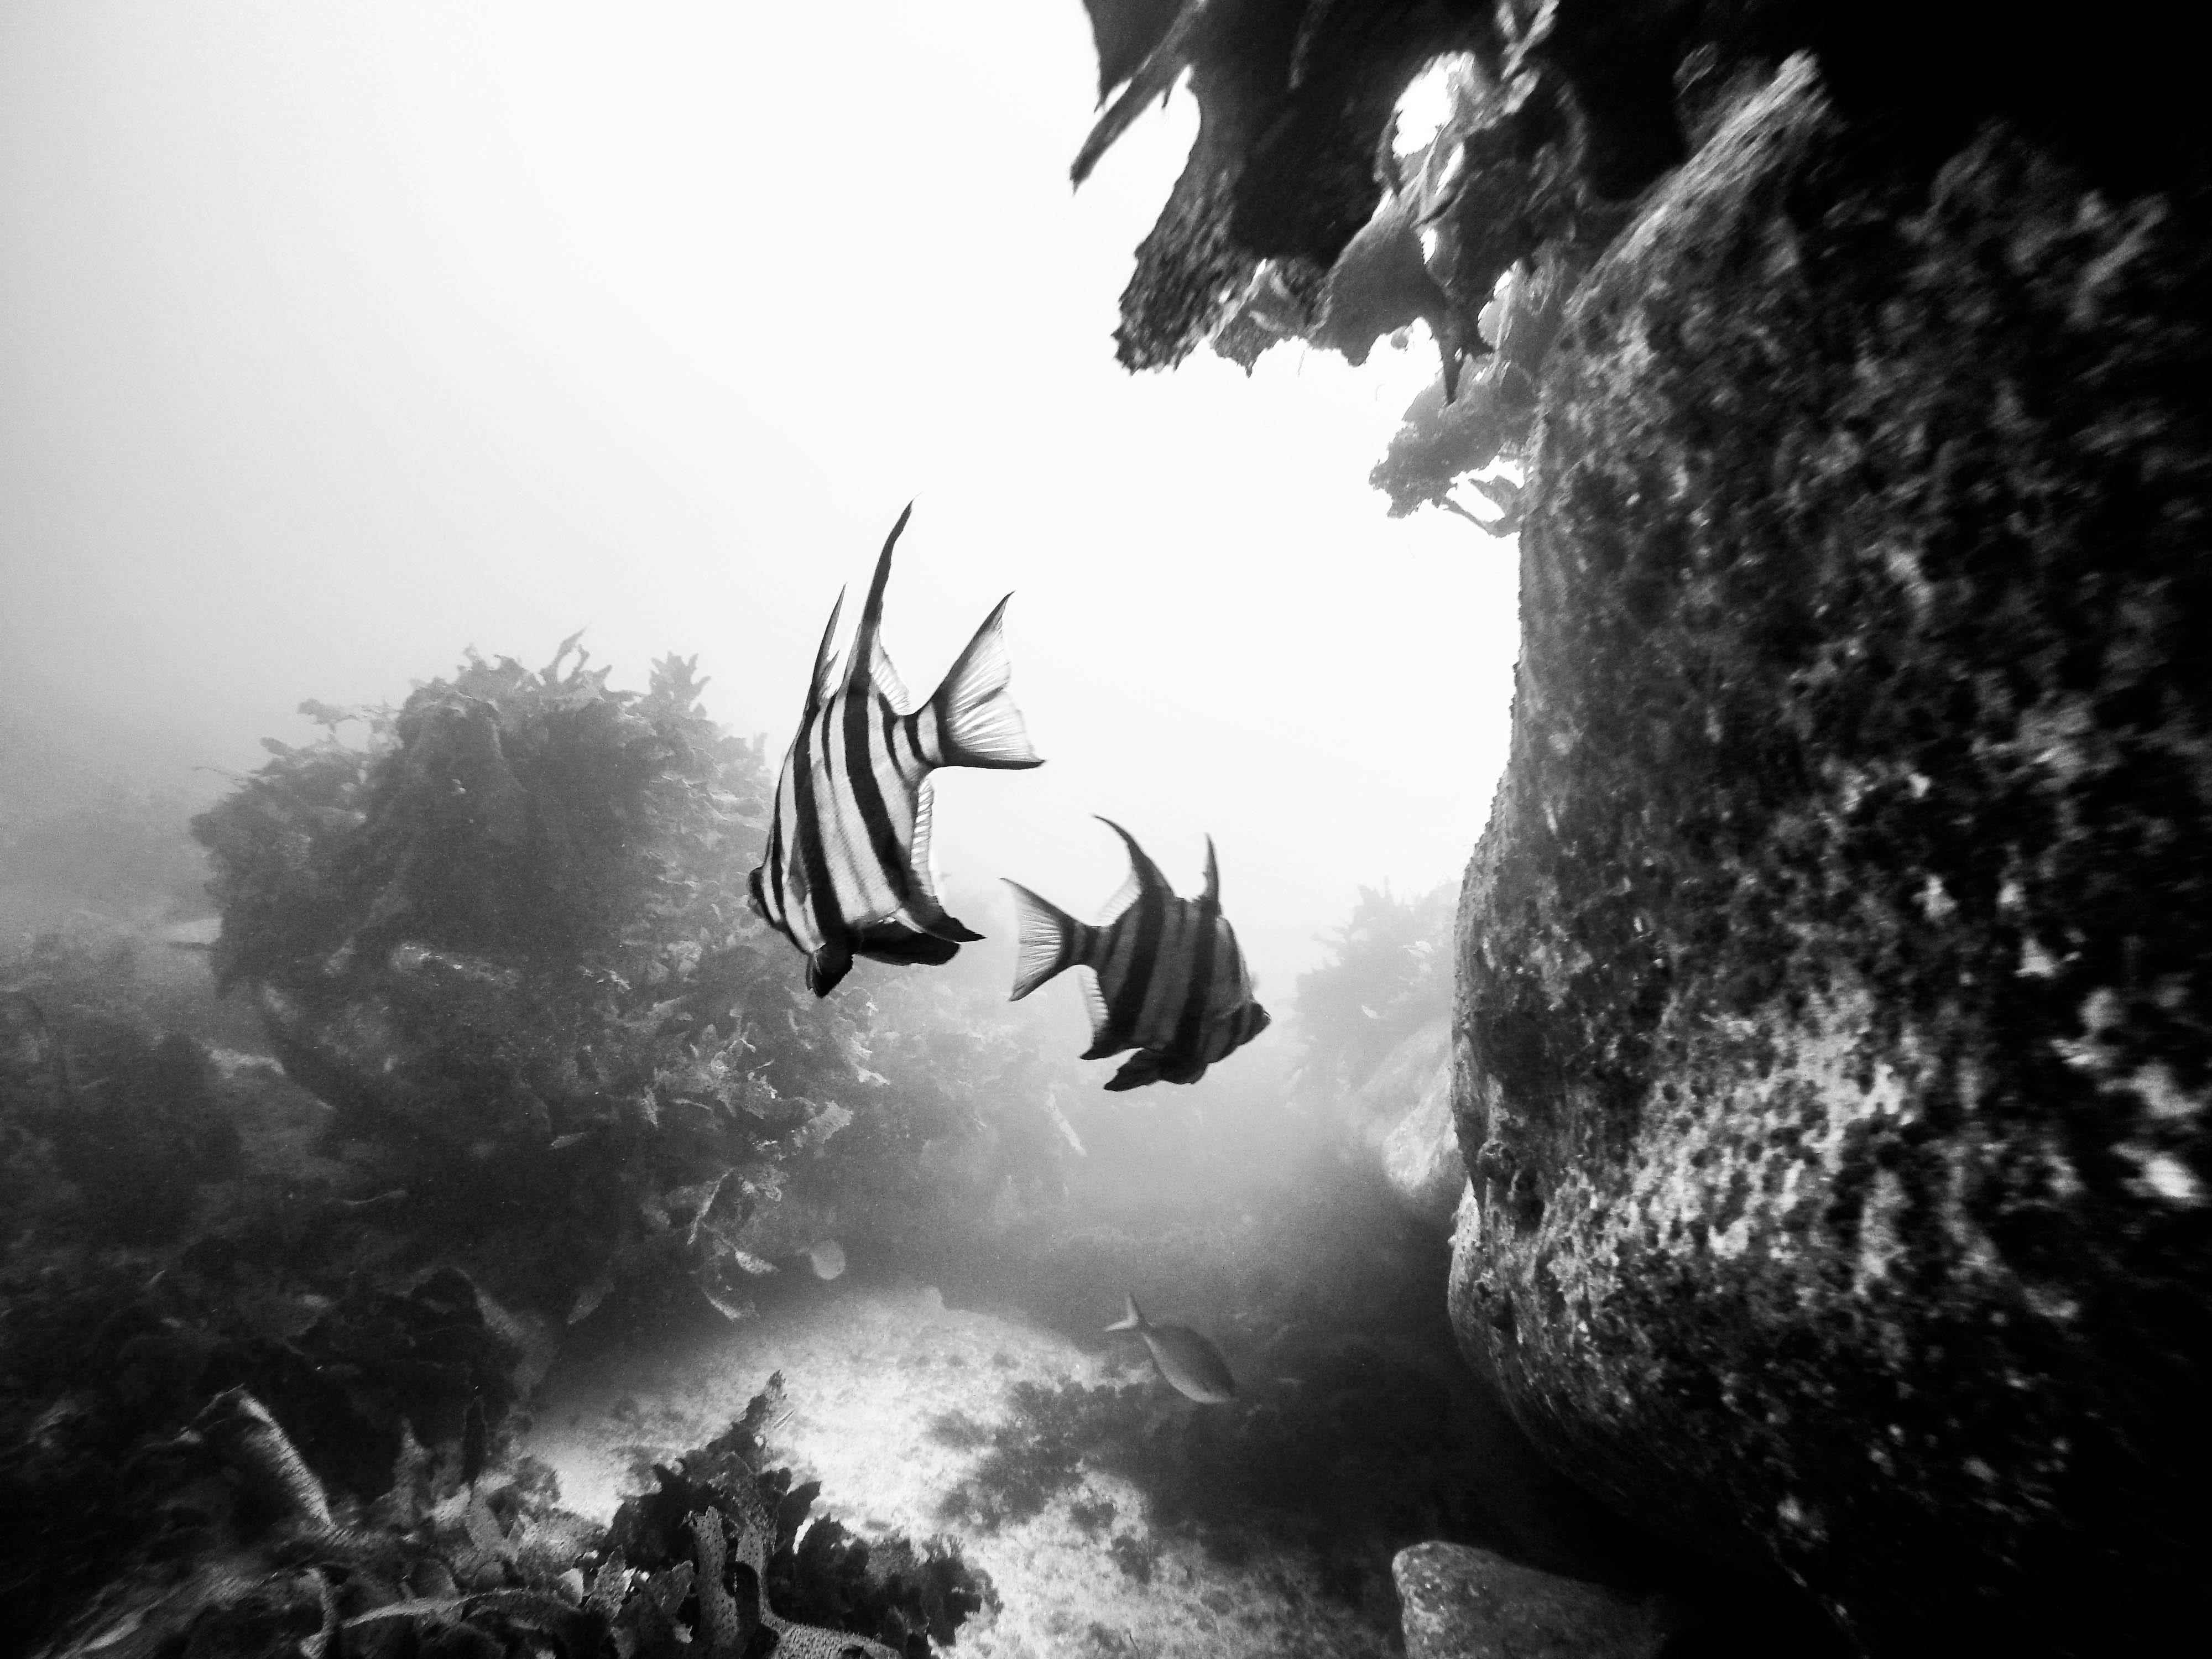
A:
(1464, 1603)
(1835, 994)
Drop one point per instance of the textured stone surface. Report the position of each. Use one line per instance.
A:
(1835, 991)
(1463, 1603)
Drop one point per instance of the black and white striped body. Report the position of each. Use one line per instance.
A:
(847, 868)
(1168, 980)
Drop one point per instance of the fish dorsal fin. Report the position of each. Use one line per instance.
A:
(825, 663)
(866, 646)
(887, 680)
(1124, 896)
(1212, 896)
(1144, 874)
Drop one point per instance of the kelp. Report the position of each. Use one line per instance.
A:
(166, 1422)
(89, 1093)
(504, 932)
(282, 1420)
(226, 1538)
(525, 816)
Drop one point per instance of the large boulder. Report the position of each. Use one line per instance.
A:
(1835, 1023)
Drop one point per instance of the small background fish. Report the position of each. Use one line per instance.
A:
(1191, 1365)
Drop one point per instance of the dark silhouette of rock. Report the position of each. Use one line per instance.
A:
(1465, 1603)
(1597, 100)
(1832, 1035)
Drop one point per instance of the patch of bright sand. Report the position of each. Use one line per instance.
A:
(866, 1371)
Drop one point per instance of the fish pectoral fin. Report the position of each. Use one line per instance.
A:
(1140, 1068)
(977, 723)
(827, 967)
(896, 943)
(952, 929)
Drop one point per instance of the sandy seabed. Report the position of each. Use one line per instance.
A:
(867, 1371)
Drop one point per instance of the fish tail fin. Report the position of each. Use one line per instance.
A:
(1134, 1320)
(827, 966)
(977, 723)
(1051, 941)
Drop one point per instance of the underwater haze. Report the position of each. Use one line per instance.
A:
(339, 338)
(503, 1150)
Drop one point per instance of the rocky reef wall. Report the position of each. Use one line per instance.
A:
(1833, 1029)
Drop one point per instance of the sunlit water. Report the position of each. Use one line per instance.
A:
(872, 1374)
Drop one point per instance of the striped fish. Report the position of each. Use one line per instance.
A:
(1167, 978)
(848, 870)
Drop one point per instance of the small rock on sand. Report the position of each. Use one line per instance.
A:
(1463, 1603)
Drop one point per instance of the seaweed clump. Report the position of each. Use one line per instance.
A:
(1356, 1458)
(505, 936)
(904, 1596)
(128, 1118)
(259, 1558)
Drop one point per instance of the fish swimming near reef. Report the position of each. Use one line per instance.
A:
(1168, 978)
(1190, 1364)
(848, 870)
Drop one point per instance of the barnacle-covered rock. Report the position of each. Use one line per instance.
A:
(1833, 1033)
